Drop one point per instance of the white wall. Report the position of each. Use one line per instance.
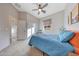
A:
(6, 10)
(57, 22)
(73, 27)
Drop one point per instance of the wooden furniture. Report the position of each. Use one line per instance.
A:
(36, 52)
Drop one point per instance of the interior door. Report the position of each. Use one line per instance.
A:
(13, 29)
(21, 30)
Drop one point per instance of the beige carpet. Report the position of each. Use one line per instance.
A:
(17, 49)
(20, 48)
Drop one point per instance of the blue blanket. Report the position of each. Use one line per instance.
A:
(50, 44)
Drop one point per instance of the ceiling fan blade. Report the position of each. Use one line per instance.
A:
(44, 5)
(34, 9)
(43, 11)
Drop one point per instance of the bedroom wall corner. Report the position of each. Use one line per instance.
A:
(57, 21)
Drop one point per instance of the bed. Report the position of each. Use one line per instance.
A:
(50, 44)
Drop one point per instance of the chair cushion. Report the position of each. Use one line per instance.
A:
(75, 42)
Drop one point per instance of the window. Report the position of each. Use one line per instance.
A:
(28, 32)
(31, 31)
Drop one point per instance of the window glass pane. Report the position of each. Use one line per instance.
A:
(29, 32)
(33, 29)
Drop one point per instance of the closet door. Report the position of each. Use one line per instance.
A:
(13, 29)
(21, 30)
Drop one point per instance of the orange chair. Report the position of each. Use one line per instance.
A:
(75, 42)
(77, 50)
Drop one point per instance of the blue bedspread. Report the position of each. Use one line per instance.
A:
(50, 44)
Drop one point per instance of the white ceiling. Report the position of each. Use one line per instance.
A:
(50, 9)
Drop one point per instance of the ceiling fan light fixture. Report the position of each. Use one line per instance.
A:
(40, 10)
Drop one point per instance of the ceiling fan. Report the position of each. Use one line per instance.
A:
(40, 7)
